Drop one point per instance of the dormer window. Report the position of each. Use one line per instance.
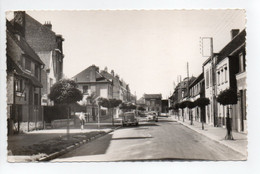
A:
(28, 66)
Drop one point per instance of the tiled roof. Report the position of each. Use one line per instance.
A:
(21, 73)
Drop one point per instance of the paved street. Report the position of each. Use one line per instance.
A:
(163, 140)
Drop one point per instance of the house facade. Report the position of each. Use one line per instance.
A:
(47, 45)
(24, 111)
(153, 102)
(196, 90)
(231, 74)
(121, 90)
(210, 89)
(93, 85)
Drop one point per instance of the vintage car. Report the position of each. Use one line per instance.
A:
(152, 116)
(129, 118)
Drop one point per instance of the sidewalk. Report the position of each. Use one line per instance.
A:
(32, 146)
(239, 144)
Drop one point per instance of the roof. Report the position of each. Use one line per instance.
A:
(198, 79)
(84, 76)
(20, 72)
(21, 42)
(152, 96)
(236, 42)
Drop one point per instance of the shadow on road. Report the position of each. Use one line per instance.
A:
(96, 148)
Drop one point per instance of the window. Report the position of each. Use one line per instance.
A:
(221, 76)
(225, 71)
(241, 63)
(36, 71)
(207, 78)
(36, 99)
(18, 85)
(27, 64)
(218, 78)
(85, 89)
(210, 75)
(51, 82)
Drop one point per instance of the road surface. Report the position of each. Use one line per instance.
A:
(163, 140)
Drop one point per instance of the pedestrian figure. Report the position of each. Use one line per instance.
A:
(82, 120)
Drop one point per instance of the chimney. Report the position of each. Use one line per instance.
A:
(117, 76)
(233, 33)
(48, 24)
(112, 72)
(19, 22)
(105, 69)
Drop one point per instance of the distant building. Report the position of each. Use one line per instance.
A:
(164, 106)
(121, 90)
(153, 102)
(48, 46)
(24, 85)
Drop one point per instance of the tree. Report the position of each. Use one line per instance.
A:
(65, 92)
(91, 99)
(140, 108)
(190, 105)
(182, 105)
(201, 103)
(127, 106)
(176, 107)
(110, 104)
(228, 97)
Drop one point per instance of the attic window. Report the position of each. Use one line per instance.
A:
(28, 64)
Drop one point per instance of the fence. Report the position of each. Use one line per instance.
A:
(24, 118)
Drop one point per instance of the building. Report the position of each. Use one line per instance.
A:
(47, 45)
(209, 72)
(197, 90)
(181, 93)
(165, 107)
(93, 85)
(24, 111)
(153, 102)
(121, 90)
(230, 74)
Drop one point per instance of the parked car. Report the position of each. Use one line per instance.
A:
(151, 116)
(129, 118)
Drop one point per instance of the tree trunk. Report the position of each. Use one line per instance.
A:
(229, 135)
(68, 124)
(112, 116)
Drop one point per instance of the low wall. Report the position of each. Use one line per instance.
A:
(61, 123)
(24, 126)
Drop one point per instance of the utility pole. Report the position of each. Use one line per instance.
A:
(213, 82)
(212, 75)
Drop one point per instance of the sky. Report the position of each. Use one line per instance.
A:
(148, 49)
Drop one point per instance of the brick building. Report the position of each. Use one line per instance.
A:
(48, 46)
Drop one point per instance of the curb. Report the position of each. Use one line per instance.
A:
(213, 139)
(72, 147)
